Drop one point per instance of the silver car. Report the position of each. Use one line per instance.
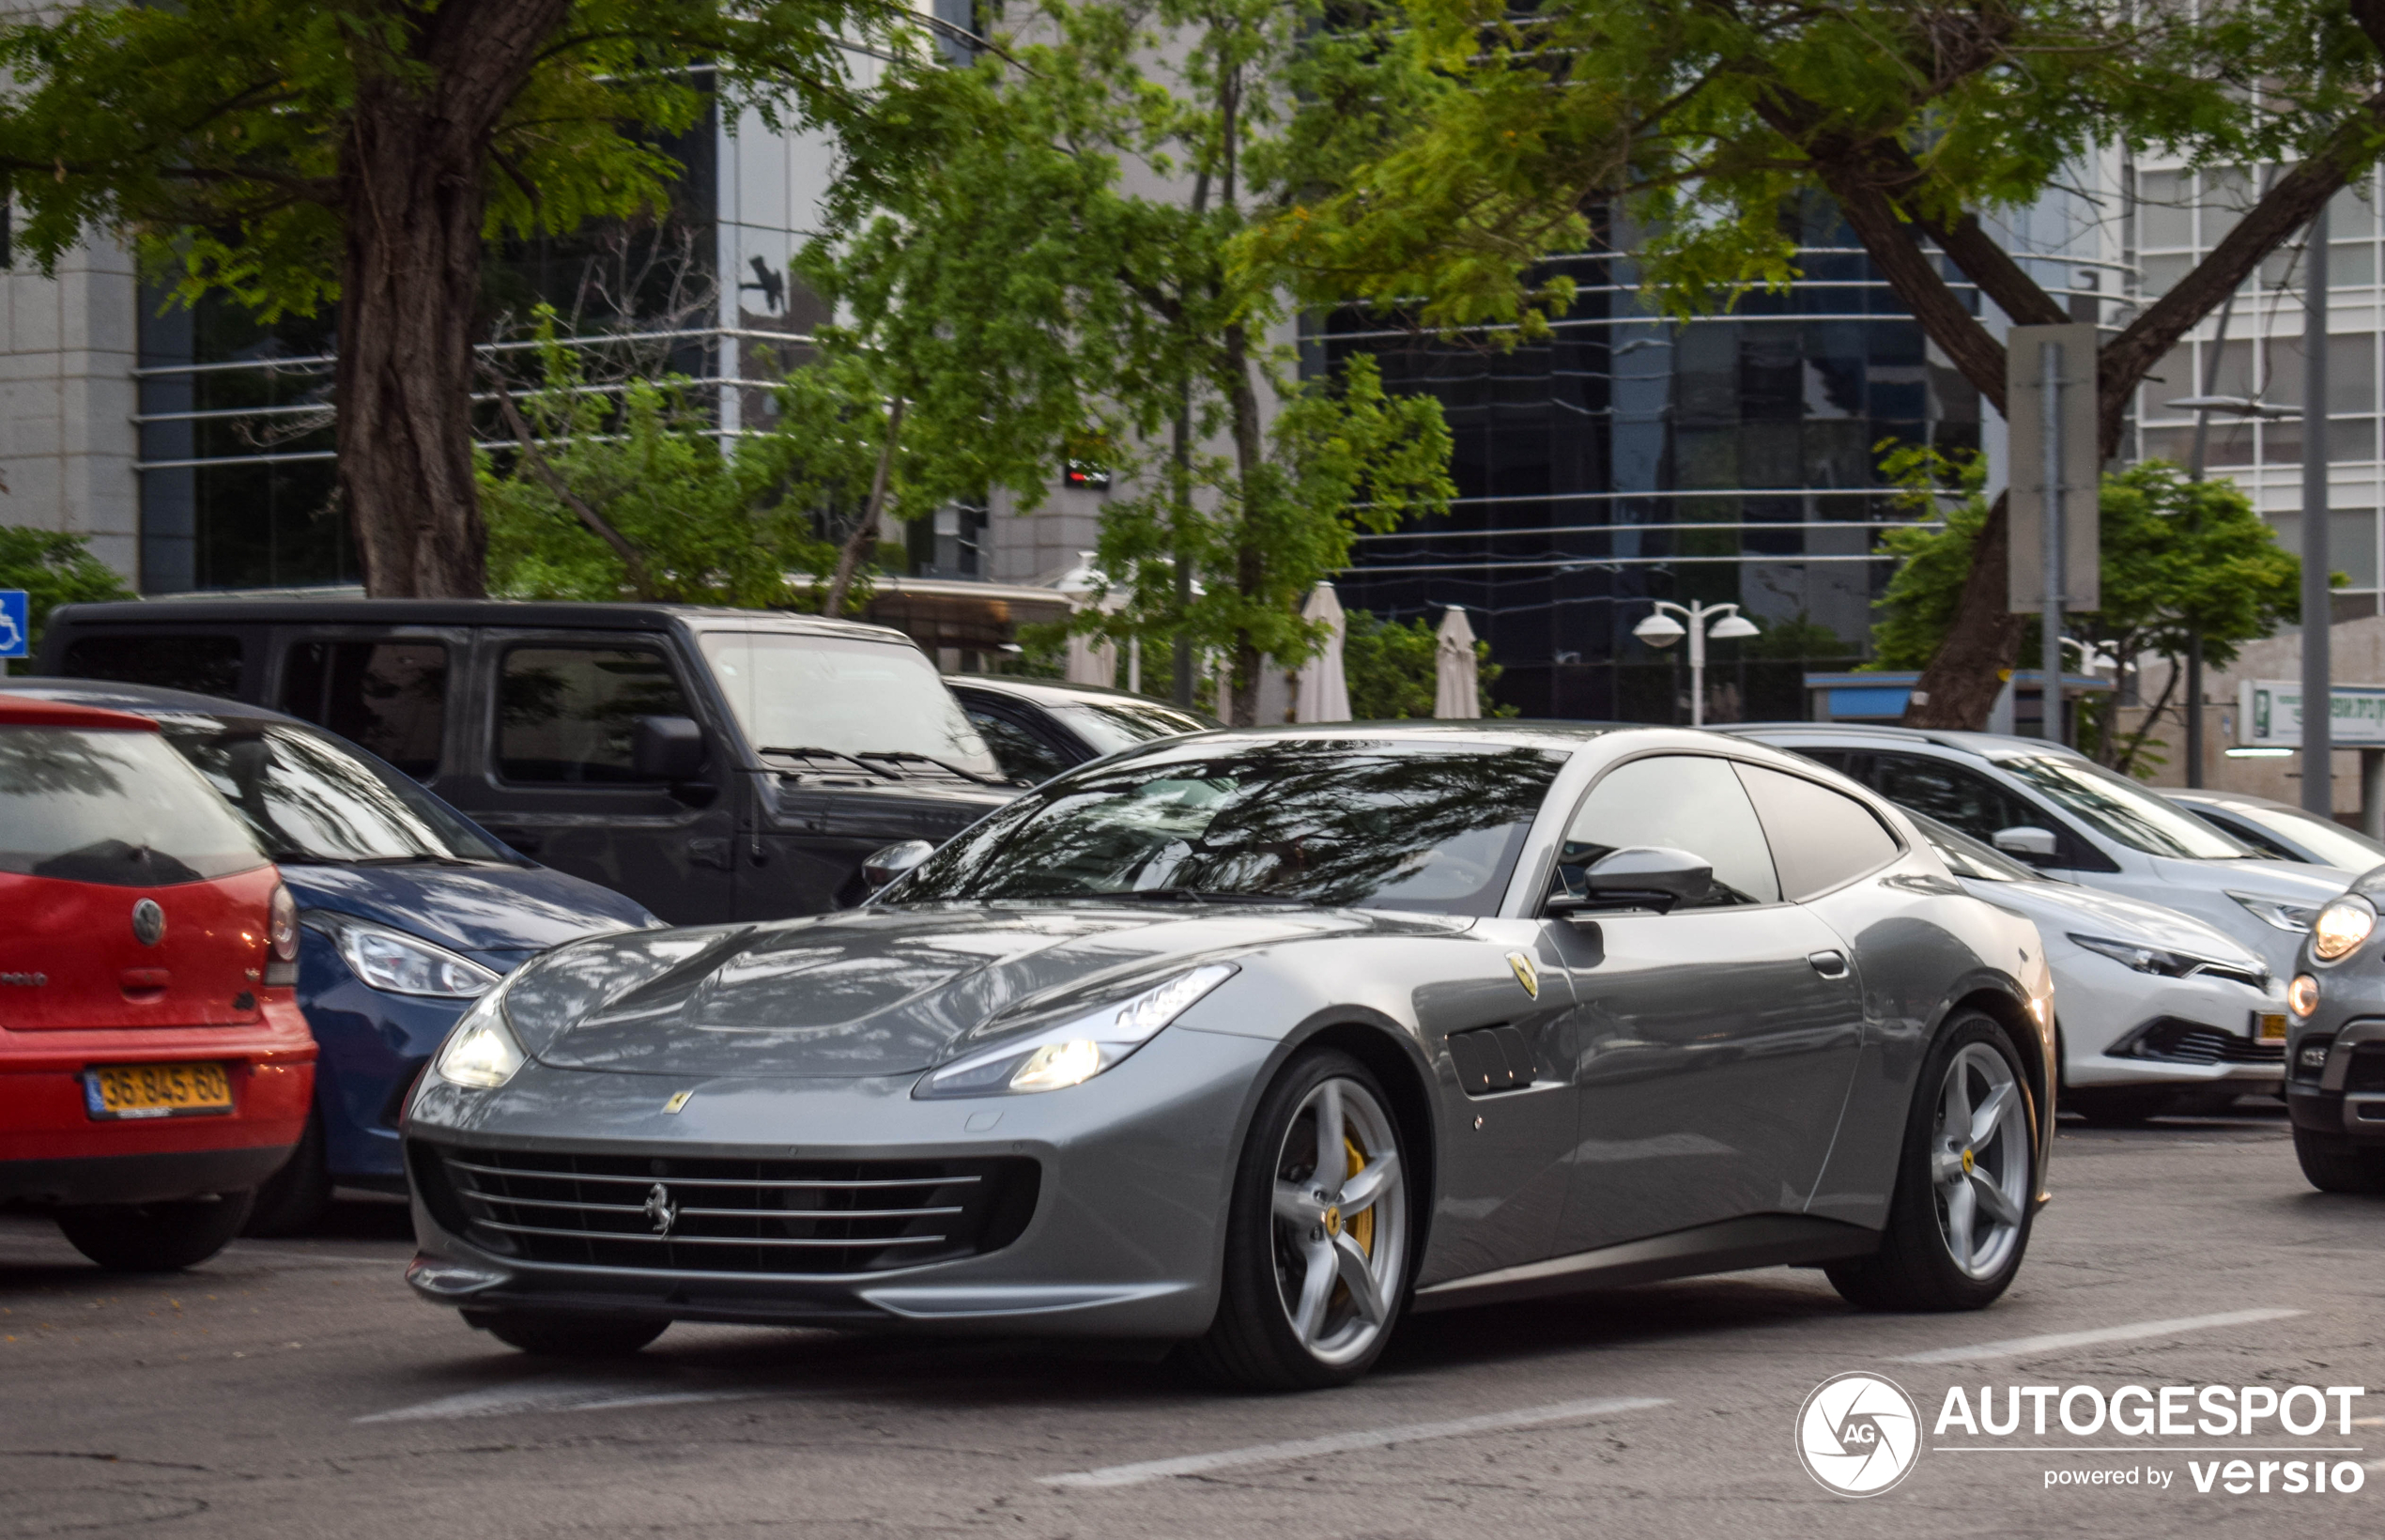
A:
(1253, 1040)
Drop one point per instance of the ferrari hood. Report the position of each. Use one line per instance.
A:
(870, 992)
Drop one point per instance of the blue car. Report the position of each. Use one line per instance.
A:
(407, 910)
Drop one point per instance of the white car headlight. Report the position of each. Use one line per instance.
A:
(399, 963)
(1073, 1049)
(2341, 927)
(2153, 959)
(481, 1051)
(2296, 917)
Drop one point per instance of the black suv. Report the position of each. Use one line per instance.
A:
(713, 764)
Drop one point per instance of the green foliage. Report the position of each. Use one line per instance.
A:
(214, 134)
(52, 569)
(1392, 668)
(1917, 608)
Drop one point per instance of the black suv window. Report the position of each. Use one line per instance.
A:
(389, 697)
(1682, 801)
(565, 714)
(204, 665)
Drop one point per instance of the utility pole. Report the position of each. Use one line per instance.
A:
(2318, 694)
(2050, 542)
(2056, 558)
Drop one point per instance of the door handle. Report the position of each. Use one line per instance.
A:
(1828, 965)
(711, 853)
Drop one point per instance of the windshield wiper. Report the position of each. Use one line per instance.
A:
(864, 765)
(899, 754)
(1192, 895)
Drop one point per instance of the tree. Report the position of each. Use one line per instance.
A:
(1117, 153)
(52, 569)
(1696, 124)
(289, 154)
(2178, 554)
(1391, 668)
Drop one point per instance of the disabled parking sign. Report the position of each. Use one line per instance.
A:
(16, 624)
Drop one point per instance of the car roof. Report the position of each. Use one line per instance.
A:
(150, 701)
(20, 711)
(554, 614)
(1987, 746)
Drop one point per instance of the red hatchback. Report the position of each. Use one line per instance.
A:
(154, 1068)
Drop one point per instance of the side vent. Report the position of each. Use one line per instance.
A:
(1492, 1059)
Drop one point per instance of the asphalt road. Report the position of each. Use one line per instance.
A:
(294, 1388)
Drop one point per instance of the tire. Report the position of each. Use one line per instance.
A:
(2121, 1106)
(2336, 1165)
(1288, 1317)
(155, 1237)
(558, 1333)
(1939, 1179)
(296, 1195)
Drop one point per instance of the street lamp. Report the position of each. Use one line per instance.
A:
(1661, 630)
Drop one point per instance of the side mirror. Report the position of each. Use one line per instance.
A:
(1654, 876)
(882, 867)
(2027, 842)
(666, 748)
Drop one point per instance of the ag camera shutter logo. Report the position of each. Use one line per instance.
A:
(1858, 1435)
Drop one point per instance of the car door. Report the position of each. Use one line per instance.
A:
(1713, 1044)
(558, 783)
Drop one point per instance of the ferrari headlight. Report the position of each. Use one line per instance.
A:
(1075, 1048)
(2296, 917)
(399, 963)
(480, 1050)
(2341, 928)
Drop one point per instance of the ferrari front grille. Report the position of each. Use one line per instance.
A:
(792, 1218)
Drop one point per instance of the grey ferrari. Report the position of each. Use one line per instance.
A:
(1254, 1041)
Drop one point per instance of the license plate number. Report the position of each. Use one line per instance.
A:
(2269, 1026)
(158, 1090)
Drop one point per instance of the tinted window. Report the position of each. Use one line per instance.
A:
(312, 798)
(1024, 755)
(203, 664)
(1362, 825)
(1820, 838)
(115, 808)
(389, 697)
(1962, 799)
(1682, 802)
(565, 714)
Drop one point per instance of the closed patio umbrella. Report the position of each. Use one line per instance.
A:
(1324, 692)
(1455, 697)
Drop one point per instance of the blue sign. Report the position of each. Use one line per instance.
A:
(16, 624)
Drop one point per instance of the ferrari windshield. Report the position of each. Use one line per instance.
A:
(1344, 823)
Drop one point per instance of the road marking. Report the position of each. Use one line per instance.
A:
(510, 1400)
(2015, 1347)
(1301, 1449)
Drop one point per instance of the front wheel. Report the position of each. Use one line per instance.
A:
(1959, 1220)
(2336, 1165)
(1317, 1247)
(155, 1237)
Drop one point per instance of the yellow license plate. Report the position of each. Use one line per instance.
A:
(2269, 1026)
(157, 1090)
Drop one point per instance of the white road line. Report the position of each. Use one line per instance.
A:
(2015, 1347)
(510, 1400)
(1301, 1449)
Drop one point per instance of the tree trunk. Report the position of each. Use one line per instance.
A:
(413, 192)
(1249, 563)
(1959, 688)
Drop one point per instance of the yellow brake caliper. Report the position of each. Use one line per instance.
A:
(1362, 1225)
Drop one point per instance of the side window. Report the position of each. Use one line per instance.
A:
(1820, 838)
(204, 665)
(564, 715)
(1023, 755)
(1684, 801)
(1958, 797)
(389, 697)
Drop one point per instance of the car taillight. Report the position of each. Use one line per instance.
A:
(281, 925)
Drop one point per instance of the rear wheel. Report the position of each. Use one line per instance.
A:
(2336, 1165)
(1959, 1221)
(1316, 1248)
(296, 1195)
(155, 1237)
(558, 1333)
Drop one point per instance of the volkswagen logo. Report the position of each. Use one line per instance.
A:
(148, 922)
(1858, 1434)
(660, 1211)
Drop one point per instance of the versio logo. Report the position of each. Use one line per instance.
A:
(1858, 1434)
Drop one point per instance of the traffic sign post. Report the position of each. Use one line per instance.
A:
(16, 624)
(2053, 555)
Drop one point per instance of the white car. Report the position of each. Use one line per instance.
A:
(2057, 811)
(2156, 1010)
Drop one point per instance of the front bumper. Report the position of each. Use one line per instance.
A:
(1126, 1240)
(2343, 1093)
(2120, 1028)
